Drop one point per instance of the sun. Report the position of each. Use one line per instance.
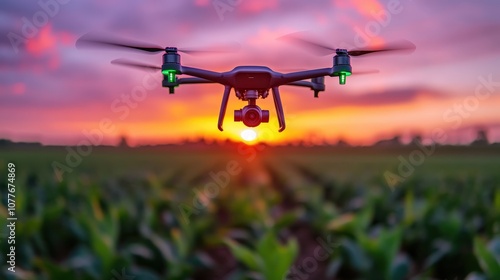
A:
(248, 135)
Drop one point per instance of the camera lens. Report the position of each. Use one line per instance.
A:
(251, 116)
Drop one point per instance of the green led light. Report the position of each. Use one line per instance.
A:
(342, 76)
(170, 75)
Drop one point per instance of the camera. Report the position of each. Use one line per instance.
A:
(251, 115)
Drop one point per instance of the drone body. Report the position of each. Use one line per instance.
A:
(248, 82)
(251, 83)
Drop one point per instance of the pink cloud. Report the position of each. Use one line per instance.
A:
(45, 45)
(267, 36)
(67, 38)
(18, 88)
(258, 6)
(42, 43)
(202, 3)
(363, 7)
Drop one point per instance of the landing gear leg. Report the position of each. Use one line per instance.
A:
(223, 106)
(279, 108)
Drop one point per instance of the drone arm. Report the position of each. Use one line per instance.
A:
(303, 75)
(185, 81)
(214, 77)
(306, 84)
(316, 84)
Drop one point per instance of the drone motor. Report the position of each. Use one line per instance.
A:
(341, 65)
(171, 66)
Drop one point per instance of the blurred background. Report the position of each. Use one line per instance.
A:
(43, 73)
(391, 176)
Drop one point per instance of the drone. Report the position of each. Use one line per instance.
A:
(249, 82)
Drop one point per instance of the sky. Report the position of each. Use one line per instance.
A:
(54, 93)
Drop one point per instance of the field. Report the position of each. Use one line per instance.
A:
(254, 212)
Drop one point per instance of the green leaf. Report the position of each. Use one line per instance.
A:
(343, 222)
(486, 259)
(363, 219)
(400, 268)
(494, 247)
(53, 271)
(181, 243)
(276, 258)
(450, 226)
(496, 202)
(286, 257)
(244, 255)
(285, 220)
(163, 246)
(476, 276)
(409, 215)
(389, 244)
(443, 247)
(333, 268)
(267, 245)
(355, 255)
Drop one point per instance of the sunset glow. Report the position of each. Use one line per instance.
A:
(248, 135)
(69, 90)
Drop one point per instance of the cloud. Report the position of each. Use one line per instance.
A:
(258, 6)
(391, 96)
(363, 7)
(42, 43)
(18, 88)
(50, 75)
(388, 97)
(202, 3)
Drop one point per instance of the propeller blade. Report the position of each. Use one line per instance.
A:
(130, 63)
(396, 46)
(323, 49)
(227, 48)
(318, 48)
(88, 41)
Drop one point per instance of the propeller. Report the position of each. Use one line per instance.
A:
(134, 64)
(322, 49)
(399, 46)
(92, 41)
